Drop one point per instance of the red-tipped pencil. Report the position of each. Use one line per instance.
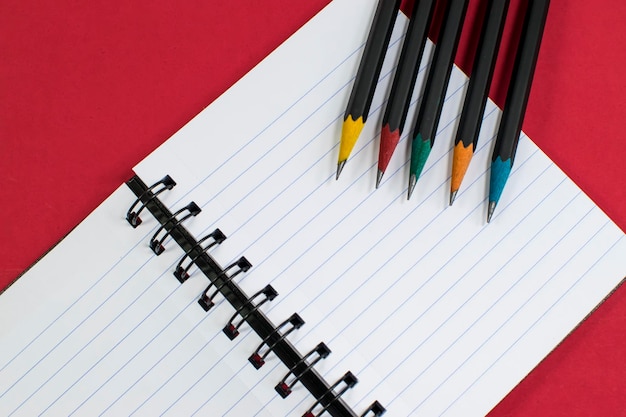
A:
(404, 83)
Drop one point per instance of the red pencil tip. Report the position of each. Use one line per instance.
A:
(388, 141)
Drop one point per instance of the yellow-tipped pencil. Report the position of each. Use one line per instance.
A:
(367, 78)
(350, 132)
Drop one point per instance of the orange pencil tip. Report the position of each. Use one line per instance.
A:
(460, 161)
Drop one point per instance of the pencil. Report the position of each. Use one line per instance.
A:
(404, 83)
(434, 92)
(366, 77)
(516, 100)
(480, 78)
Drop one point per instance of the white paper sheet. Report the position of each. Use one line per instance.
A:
(435, 312)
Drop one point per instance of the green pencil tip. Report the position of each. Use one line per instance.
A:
(419, 154)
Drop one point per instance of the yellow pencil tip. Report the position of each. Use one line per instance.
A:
(350, 132)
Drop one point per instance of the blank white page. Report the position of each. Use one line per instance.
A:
(434, 311)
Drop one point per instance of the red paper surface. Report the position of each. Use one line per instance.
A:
(87, 89)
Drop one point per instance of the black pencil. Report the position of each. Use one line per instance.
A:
(480, 78)
(435, 89)
(404, 82)
(516, 100)
(367, 77)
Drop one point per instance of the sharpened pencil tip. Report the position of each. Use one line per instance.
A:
(379, 177)
(453, 196)
(490, 210)
(412, 182)
(340, 166)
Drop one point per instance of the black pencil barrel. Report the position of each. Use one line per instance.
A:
(521, 80)
(482, 73)
(439, 72)
(372, 59)
(408, 64)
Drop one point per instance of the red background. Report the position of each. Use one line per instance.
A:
(88, 89)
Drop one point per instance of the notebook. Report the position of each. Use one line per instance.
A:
(424, 308)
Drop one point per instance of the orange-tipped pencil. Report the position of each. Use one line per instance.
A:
(462, 155)
(477, 92)
(367, 78)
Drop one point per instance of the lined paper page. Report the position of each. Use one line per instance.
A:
(435, 312)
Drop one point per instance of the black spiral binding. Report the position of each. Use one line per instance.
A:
(182, 274)
(283, 388)
(232, 330)
(166, 182)
(327, 399)
(170, 224)
(349, 381)
(257, 359)
(376, 409)
(206, 300)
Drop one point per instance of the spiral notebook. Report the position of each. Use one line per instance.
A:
(232, 275)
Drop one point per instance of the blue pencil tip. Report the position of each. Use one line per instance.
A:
(500, 171)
